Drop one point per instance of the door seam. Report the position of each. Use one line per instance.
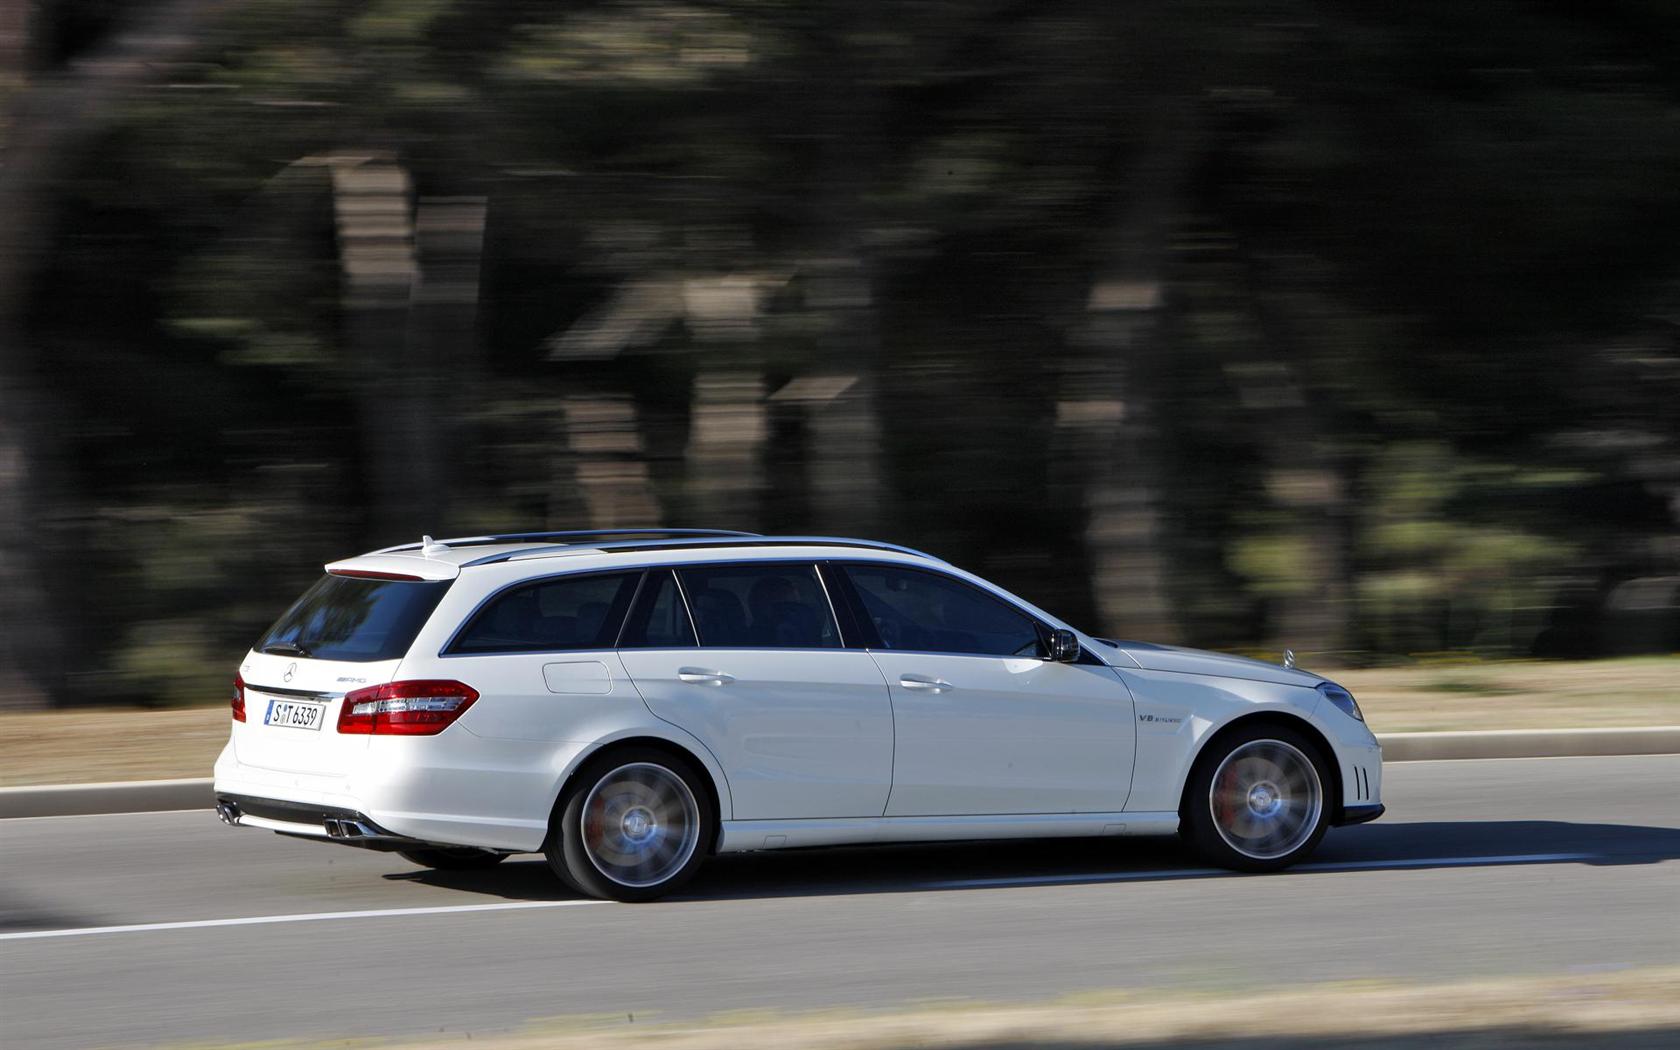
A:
(892, 713)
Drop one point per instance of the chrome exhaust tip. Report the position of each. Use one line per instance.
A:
(345, 828)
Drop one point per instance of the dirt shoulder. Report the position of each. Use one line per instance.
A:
(78, 747)
(1623, 1011)
(1523, 694)
(66, 747)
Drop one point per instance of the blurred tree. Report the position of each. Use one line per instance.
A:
(1246, 325)
(64, 97)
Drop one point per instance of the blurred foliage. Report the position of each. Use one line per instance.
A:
(1442, 572)
(1409, 382)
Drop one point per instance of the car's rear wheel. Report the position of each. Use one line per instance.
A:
(633, 826)
(445, 858)
(1257, 800)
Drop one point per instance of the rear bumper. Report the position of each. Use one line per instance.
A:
(308, 820)
(411, 789)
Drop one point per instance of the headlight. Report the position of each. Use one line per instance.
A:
(1341, 698)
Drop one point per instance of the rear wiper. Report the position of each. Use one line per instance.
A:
(286, 649)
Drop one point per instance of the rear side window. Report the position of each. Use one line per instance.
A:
(766, 606)
(346, 618)
(660, 619)
(566, 612)
(926, 612)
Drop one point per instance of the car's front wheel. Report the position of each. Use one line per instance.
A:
(632, 827)
(1257, 800)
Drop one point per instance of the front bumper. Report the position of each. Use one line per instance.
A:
(1361, 814)
(1361, 777)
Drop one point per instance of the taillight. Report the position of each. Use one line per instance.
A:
(239, 698)
(405, 708)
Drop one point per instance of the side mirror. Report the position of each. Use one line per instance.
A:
(1064, 646)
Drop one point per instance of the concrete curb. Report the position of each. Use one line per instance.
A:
(1531, 743)
(128, 796)
(145, 796)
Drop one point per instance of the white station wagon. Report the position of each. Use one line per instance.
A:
(629, 702)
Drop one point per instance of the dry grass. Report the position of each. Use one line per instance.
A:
(74, 747)
(1634, 1008)
(122, 744)
(1522, 694)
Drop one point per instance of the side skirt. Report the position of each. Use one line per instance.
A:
(740, 836)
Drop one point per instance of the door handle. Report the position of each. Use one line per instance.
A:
(924, 683)
(701, 676)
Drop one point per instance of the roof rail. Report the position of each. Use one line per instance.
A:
(573, 536)
(704, 543)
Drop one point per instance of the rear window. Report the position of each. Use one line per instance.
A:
(345, 618)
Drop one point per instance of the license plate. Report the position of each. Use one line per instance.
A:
(295, 714)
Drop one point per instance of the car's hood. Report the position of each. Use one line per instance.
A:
(1153, 657)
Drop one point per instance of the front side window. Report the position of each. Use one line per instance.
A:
(929, 613)
(773, 606)
(356, 619)
(565, 612)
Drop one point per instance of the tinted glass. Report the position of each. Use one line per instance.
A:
(568, 612)
(660, 620)
(776, 606)
(925, 612)
(345, 618)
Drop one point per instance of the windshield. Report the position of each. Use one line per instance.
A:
(344, 618)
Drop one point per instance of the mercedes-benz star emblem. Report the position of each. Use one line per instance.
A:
(291, 669)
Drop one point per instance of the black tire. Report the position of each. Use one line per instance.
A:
(1274, 806)
(650, 825)
(443, 858)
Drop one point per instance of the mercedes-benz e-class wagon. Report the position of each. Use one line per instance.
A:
(631, 702)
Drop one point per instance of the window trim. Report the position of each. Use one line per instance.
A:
(630, 610)
(688, 607)
(449, 652)
(834, 582)
(873, 640)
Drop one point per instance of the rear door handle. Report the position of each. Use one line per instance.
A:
(702, 676)
(924, 683)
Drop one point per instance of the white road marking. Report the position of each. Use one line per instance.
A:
(1095, 876)
(267, 920)
(1444, 862)
(135, 813)
(953, 884)
(1520, 758)
(1186, 873)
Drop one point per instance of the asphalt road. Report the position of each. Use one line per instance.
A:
(1522, 866)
